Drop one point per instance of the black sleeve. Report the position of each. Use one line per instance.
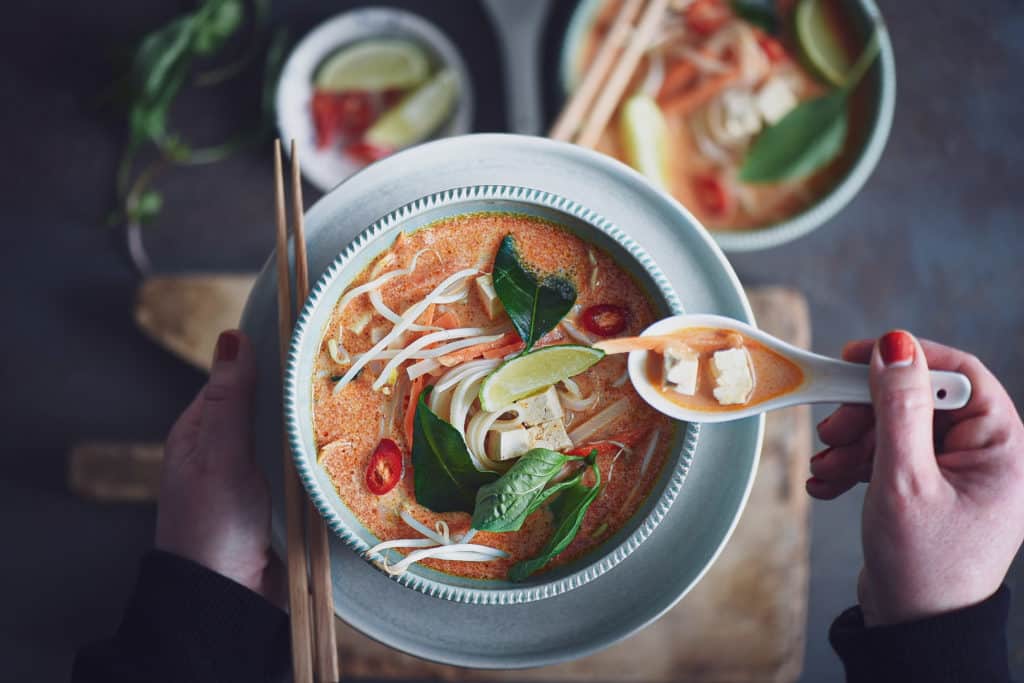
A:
(965, 646)
(187, 623)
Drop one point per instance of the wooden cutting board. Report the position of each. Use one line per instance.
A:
(743, 623)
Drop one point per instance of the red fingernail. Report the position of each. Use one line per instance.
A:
(820, 455)
(824, 422)
(897, 349)
(815, 480)
(227, 346)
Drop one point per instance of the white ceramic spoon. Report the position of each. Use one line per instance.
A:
(826, 380)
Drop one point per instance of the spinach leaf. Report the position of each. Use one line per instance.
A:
(761, 13)
(568, 510)
(805, 140)
(534, 302)
(505, 504)
(444, 477)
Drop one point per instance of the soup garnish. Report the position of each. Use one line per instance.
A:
(451, 400)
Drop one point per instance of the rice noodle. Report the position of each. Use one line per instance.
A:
(463, 397)
(407, 319)
(476, 434)
(580, 404)
(453, 376)
(477, 335)
(621, 379)
(648, 454)
(602, 420)
(423, 367)
(338, 353)
(572, 387)
(355, 292)
(702, 61)
(576, 333)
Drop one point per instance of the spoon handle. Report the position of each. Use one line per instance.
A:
(841, 382)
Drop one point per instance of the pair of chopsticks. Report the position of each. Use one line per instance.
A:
(592, 104)
(310, 600)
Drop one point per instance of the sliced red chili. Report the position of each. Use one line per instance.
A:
(707, 16)
(356, 112)
(772, 48)
(367, 153)
(712, 195)
(605, 320)
(324, 118)
(385, 469)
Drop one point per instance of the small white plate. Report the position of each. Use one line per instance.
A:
(327, 167)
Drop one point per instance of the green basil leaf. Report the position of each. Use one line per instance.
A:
(761, 13)
(534, 302)
(146, 207)
(444, 476)
(215, 23)
(805, 140)
(505, 504)
(568, 510)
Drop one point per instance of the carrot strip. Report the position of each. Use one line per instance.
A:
(449, 320)
(703, 92)
(653, 342)
(676, 76)
(470, 352)
(415, 389)
(503, 351)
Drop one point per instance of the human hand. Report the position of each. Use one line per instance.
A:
(214, 502)
(944, 510)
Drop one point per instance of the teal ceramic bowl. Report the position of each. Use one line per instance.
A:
(305, 348)
(881, 81)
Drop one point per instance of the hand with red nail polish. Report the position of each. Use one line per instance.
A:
(214, 502)
(944, 510)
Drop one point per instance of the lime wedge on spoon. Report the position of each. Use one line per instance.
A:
(418, 115)
(527, 374)
(374, 65)
(645, 137)
(819, 43)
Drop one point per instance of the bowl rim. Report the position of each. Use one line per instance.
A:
(841, 193)
(599, 564)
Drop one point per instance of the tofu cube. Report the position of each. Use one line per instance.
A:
(489, 297)
(542, 407)
(681, 369)
(734, 376)
(550, 435)
(507, 444)
(775, 99)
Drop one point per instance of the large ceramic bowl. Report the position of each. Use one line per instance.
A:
(305, 347)
(880, 81)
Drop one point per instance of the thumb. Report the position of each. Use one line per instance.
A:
(902, 397)
(226, 405)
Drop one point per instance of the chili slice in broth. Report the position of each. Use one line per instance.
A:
(385, 468)
(605, 320)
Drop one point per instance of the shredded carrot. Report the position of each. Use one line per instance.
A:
(503, 351)
(449, 320)
(415, 389)
(676, 76)
(692, 98)
(471, 352)
(653, 342)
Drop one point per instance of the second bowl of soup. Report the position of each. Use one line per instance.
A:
(477, 448)
(762, 123)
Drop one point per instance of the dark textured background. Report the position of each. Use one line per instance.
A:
(933, 243)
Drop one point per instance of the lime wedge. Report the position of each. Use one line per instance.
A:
(645, 137)
(819, 43)
(374, 65)
(418, 115)
(527, 374)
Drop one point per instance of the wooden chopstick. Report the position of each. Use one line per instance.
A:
(569, 121)
(313, 642)
(584, 117)
(325, 648)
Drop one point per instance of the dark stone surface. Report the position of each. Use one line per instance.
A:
(932, 243)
